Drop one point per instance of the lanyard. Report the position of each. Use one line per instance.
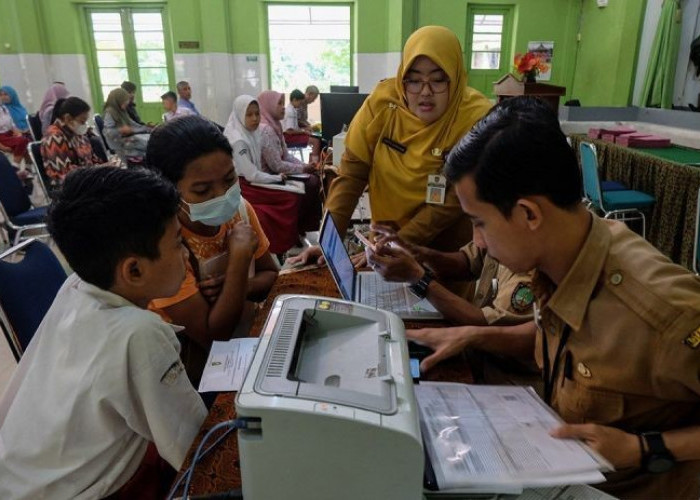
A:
(550, 377)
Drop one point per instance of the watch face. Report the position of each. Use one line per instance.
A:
(659, 463)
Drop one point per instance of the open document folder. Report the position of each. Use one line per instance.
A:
(494, 439)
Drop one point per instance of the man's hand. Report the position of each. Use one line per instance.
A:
(620, 448)
(395, 264)
(446, 342)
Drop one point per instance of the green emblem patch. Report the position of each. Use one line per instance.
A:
(522, 298)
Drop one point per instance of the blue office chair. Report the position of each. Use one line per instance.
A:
(35, 126)
(100, 124)
(39, 169)
(696, 250)
(27, 290)
(15, 207)
(604, 185)
(624, 205)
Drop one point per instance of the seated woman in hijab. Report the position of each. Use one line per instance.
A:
(276, 207)
(55, 92)
(65, 145)
(397, 143)
(276, 158)
(124, 135)
(9, 97)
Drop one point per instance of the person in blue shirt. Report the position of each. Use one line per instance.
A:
(184, 91)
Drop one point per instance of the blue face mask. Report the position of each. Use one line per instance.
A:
(216, 211)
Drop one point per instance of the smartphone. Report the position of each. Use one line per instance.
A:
(364, 240)
(415, 369)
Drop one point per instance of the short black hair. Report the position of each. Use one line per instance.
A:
(169, 95)
(105, 214)
(129, 86)
(176, 143)
(518, 149)
(296, 95)
(73, 106)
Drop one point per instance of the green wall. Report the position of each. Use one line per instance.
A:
(598, 70)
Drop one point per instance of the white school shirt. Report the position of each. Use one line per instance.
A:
(99, 380)
(247, 168)
(290, 118)
(6, 123)
(179, 111)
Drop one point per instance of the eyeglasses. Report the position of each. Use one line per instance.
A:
(417, 86)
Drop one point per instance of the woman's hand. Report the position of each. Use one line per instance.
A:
(359, 260)
(125, 130)
(307, 256)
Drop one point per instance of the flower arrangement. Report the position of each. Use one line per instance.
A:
(530, 65)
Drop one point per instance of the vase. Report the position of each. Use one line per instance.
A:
(530, 77)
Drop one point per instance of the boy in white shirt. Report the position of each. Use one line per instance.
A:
(172, 110)
(101, 386)
(293, 135)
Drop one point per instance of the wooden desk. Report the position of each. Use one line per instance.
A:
(220, 470)
(671, 227)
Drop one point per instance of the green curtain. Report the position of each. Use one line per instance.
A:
(661, 72)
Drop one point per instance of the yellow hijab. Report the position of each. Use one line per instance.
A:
(397, 180)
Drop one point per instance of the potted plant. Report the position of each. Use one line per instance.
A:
(529, 65)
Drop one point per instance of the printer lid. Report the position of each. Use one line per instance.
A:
(330, 351)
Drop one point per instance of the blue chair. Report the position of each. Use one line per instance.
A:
(100, 124)
(40, 171)
(27, 290)
(15, 207)
(35, 126)
(626, 205)
(605, 185)
(696, 250)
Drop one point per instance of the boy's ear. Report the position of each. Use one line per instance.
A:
(531, 211)
(130, 271)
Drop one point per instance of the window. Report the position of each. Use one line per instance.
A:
(130, 44)
(309, 45)
(488, 45)
(487, 35)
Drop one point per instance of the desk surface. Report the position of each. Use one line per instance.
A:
(678, 154)
(220, 470)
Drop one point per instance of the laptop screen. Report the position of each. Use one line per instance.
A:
(337, 258)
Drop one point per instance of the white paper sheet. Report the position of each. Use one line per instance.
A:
(227, 364)
(490, 435)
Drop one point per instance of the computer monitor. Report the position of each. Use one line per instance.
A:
(338, 110)
(344, 89)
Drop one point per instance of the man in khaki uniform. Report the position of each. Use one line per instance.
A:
(618, 324)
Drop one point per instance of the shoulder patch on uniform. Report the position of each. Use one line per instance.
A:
(693, 340)
(171, 374)
(522, 297)
(243, 152)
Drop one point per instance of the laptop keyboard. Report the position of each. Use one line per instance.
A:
(383, 295)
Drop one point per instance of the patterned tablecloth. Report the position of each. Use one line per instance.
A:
(220, 470)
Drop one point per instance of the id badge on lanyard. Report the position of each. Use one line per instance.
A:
(437, 184)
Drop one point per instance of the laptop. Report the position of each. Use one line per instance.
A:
(368, 287)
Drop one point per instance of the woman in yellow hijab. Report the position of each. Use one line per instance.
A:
(402, 134)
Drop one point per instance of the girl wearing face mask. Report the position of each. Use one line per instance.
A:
(229, 266)
(65, 145)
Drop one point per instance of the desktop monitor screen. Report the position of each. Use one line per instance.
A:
(345, 89)
(338, 110)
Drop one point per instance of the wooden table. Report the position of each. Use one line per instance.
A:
(220, 470)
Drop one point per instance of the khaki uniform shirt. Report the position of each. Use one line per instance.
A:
(503, 296)
(634, 361)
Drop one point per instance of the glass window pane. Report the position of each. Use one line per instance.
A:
(106, 89)
(288, 13)
(113, 76)
(486, 60)
(330, 14)
(491, 43)
(152, 93)
(151, 59)
(150, 40)
(106, 21)
(109, 41)
(488, 23)
(153, 76)
(147, 21)
(111, 58)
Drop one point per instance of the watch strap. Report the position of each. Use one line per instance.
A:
(420, 288)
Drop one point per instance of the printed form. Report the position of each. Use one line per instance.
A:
(227, 364)
(486, 436)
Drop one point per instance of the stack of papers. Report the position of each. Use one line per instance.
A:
(495, 439)
(227, 364)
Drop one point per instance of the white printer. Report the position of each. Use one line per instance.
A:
(331, 385)
(338, 147)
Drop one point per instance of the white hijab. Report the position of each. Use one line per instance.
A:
(236, 131)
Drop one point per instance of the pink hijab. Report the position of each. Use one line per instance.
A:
(268, 100)
(55, 92)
